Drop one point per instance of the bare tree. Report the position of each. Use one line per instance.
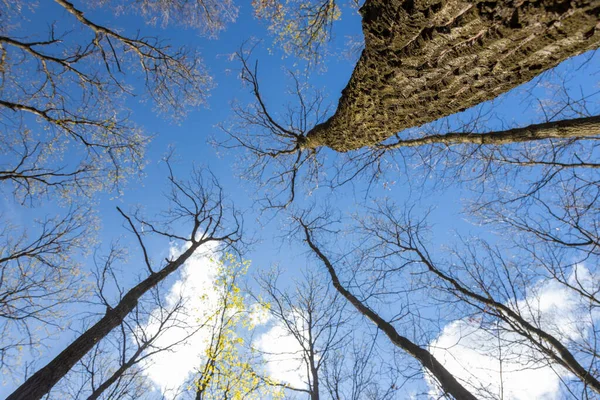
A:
(493, 284)
(357, 371)
(38, 278)
(315, 320)
(198, 202)
(116, 367)
(307, 227)
(445, 379)
(65, 90)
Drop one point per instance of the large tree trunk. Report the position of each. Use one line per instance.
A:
(427, 59)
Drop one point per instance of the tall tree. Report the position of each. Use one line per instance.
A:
(513, 291)
(117, 367)
(484, 278)
(315, 321)
(198, 202)
(307, 227)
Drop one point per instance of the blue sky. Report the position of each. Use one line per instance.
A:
(189, 138)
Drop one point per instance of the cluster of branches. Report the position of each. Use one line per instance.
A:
(209, 16)
(65, 90)
(302, 28)
(198, 203)
(327, 356)
(39, 275)
(66, 131)
(494, 284)
(274, 146)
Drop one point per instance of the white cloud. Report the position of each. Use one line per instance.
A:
(169, 370)
(472, 353)
(283, 355)
(258, 315)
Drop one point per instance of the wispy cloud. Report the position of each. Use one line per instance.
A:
(496, 362)
(195, 289)
(283, 355)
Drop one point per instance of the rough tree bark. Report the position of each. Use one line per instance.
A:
(427, 59)
(570, 128)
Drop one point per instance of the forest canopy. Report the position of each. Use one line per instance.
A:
(299, 199)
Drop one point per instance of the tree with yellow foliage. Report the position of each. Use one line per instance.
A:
(301, 28)
(227, 372)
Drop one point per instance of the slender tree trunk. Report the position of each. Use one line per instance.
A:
(209, 371)
(571, 128)
(43, 380)
(446, 380)
(424, 60)
(314, 394)
(314, 372)
(209, 368)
